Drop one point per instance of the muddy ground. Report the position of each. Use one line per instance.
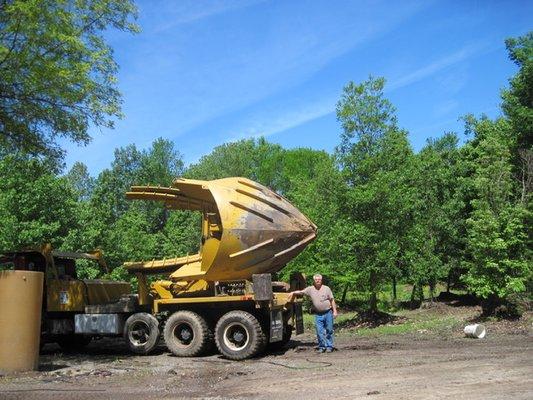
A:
(424, 364)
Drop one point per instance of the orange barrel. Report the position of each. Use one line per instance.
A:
(21, 296)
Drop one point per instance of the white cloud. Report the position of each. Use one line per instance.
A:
(436, 66)
(190, 11)
(308, 112)
(445, 108)
(276, 123)
(209, 73)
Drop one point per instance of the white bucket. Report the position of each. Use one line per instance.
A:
(475, 331)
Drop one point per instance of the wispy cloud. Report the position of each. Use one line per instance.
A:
(436, 66)
(186, 12)
(454, 81)
(445, 107)
(234, 68)
(283, 121)
(212, 72)
(308, 112)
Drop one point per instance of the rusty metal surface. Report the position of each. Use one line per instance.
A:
(247, 229)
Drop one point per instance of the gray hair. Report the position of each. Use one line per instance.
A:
(317, 276)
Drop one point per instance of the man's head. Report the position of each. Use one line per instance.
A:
(317, 280)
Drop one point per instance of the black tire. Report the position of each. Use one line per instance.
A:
(287, 334)
(187, 334)
(141, 333)
(73, 343)
(239, 335)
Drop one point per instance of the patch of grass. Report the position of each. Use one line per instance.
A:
(426, 321)
(437, 318)
(359, 300)
(435, 325)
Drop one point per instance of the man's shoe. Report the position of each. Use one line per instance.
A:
(329, 350)
(320, 350)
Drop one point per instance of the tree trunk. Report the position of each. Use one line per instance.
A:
(489, 305)
(432, 291)
(394, 293)
(413, 292)
(344, 292)
(449, 281)
(373, 293)
(420, 293)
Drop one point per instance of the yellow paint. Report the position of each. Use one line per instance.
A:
(101, 292)
(246, 229)
(160, 290)
(144, 294)
(64, 295)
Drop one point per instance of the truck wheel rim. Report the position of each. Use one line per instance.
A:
(236, 336)
(139, 333)
(183, 333)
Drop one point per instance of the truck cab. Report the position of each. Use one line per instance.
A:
(66, 298)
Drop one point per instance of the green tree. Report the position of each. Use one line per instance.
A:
(498, 248)
(374, 155)
(130, 230)
(517, 101)
(80, 180)
(436, 235)
(256, 159)
(108, 197)
(35, 205)
(312, 182)
(517, 105)
(58, 73)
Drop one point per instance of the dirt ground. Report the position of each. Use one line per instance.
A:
(424, 364)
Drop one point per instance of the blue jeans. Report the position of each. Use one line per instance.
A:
(324, 329)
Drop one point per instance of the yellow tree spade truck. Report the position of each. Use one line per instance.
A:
(223, 295)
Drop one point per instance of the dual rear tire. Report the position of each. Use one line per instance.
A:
(238, 335)
(187, 334)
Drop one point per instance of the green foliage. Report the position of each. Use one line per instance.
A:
(58, 74)
(365, 115)
(518, 98)
(35, 205)
(434, 239)
(134, 230)
(255, 159)
(373, 155)
(314, 184)
(80, 180)
(86, 269)
(497, 243)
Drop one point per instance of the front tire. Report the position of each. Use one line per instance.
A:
(187, 334)
(239, 335)
(141, 333)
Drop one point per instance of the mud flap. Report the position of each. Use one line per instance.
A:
(299, 318)
(276, 326)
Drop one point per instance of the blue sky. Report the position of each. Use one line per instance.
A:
(202, 73)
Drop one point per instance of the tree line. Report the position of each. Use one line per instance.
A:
(457, 212)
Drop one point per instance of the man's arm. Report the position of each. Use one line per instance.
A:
(295, 293)
(334, 307)
(332, 302)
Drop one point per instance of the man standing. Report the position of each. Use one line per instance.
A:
(325, 310)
